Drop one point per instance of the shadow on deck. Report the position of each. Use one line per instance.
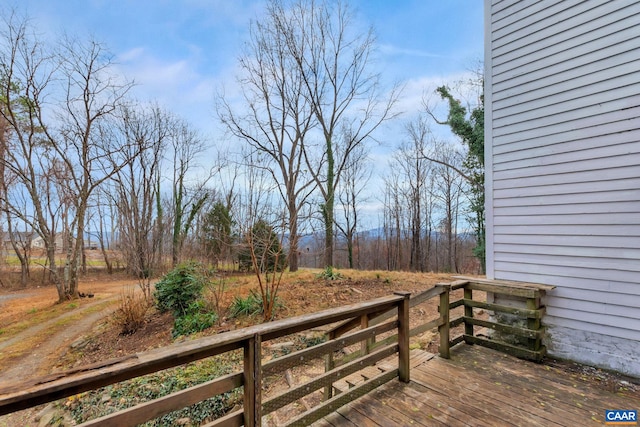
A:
(479, 386)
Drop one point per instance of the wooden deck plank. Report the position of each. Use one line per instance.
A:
(410, 399)
(569, 382)
(559, 398)
(569, 392)
(510, 390)
(450, 412)
(418, 357)
(322, 422)
(356, 417)
(481, 387)
(386, 413)
(471, 395)
(334, 419)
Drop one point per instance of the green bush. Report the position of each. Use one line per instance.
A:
(180, 292)
(196, 319)
(179, 288)
(251, 305)
(248, 306)
(329, 273)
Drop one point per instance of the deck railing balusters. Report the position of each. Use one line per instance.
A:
(369, 316)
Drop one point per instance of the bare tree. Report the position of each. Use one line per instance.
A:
(104, 214)
(137, 190)
(449, 187)
(276, 116)
(21, 244)
(26, 73)
(335, 64)
(350, 195)
(262, 226)
(415, 170)
(56, 103)
(393, 225)
(84, 143)
(307, 76)
(188, 194)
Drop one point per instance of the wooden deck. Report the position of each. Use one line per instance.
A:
(482, 387)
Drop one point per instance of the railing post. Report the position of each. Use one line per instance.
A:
(253, 381)
(365, 347)
(329, 364)
(443, 329)
(468, 311)
(403, 337)
(534, 323)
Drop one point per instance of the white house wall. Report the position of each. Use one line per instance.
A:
(562, 101)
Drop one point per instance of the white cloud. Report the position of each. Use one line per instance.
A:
(130, 55)
(388, 49)
(177, 84)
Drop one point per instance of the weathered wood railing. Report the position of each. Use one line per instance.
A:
(376, 319)
(250, 339)
(371, 319)
(516, 312)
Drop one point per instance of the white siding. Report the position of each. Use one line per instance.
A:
(562, 138)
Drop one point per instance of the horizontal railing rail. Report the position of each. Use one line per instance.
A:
(250, 340)
(376, 318)
(516, 323)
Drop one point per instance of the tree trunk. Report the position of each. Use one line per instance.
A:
(103, 248)
(327, 214)
(177, 220)
(77, 250)
(350, 248)
(24, 264)
(327, 211)
(84, 259)
(293, 241)
(53, 270)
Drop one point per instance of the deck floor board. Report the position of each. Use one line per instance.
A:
(410, 398)
(483, 387)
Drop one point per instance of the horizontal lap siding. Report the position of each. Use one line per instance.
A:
(564, 121)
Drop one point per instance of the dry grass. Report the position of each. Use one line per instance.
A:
(304, 292)
(301, 292)
(35, 339)
(39, 303)
(132, 312)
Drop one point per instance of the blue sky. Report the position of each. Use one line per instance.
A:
(180, 52)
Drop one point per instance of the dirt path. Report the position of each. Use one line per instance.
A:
(35, 350)
(7, 297)
(39, 360)
(35, 330)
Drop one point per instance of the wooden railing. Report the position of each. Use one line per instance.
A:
(371, 319)
(515, 322)
(383, 331)
(250, 340)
